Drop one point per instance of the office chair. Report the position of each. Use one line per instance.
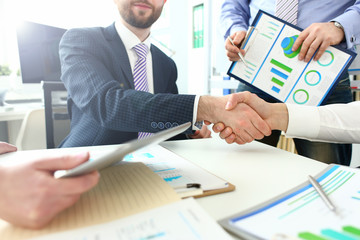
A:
(32, 131)
(57, 119)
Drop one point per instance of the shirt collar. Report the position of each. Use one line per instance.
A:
(129, 39)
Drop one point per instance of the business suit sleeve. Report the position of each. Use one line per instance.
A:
(101, 91)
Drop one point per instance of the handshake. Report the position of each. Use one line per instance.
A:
(242, 117)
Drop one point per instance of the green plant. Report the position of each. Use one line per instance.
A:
(5, 70)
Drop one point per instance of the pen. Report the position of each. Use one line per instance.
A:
(189, 185)
(322, 194)
(240, 55)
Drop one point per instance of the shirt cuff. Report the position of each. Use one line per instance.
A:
(196, 125)
(304, 121)
(350, 25)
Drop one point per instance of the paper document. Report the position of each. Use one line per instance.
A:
(174, 169)
(272, 66)
(302, 214)
(180, 220)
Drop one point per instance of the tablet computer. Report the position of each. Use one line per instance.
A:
(119, 153)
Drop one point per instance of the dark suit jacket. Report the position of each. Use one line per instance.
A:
(103, 105)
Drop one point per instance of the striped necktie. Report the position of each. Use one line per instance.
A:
(140, 76)
(287, 10)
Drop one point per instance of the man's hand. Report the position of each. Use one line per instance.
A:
(34, 197)
(246, 124)
(317, 35)
(231, 51)
(204, 132)
(275, 115)
(6, 147)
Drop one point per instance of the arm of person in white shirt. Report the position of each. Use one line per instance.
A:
(331, 123)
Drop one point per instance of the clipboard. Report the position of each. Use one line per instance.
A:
(273, 68)
(229, 188)
(300, 212)
(179, 172)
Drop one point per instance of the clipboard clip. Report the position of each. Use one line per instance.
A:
(247, 36)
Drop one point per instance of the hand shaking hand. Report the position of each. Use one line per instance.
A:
(244, 122)
(275, 116)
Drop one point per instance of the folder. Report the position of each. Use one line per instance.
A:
(130, 200)
(273, 68)
(300, 213)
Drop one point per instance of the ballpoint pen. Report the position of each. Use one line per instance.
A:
(240, 55)
(322, 194)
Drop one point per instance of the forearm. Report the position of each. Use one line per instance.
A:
(235, 15)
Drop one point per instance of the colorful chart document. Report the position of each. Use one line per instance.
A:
(274, 68)
(302, 214)
(175, 170)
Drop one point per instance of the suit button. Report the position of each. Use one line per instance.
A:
(175, 124)
(168, 125)
(161, 125)
(154, 125)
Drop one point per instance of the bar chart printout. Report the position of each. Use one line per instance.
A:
(176, 171)
(301, 213)
(273, 66)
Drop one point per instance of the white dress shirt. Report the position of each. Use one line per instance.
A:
(331, 123)
(130, 40)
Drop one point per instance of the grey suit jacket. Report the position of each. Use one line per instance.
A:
(103, 105)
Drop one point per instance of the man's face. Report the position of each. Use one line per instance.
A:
(140, 13)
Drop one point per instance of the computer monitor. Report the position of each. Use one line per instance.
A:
(39, 52)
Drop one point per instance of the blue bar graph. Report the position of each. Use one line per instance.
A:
(280, 74)
(275, 89)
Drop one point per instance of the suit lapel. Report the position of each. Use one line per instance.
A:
(120, 53)
(158, 75)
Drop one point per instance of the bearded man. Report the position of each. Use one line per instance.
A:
(121, 87)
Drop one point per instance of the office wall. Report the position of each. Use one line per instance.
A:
(171, 30)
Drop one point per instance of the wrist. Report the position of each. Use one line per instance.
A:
(340, 30)
(280, 117)
(204, 108)
(208, 107)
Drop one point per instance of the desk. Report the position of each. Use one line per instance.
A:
(258, 171)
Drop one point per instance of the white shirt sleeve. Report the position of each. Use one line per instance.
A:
(196, 124)
(330, 123)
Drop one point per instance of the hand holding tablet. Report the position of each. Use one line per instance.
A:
(119, 153)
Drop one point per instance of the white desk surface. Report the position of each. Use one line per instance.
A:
(258, 171)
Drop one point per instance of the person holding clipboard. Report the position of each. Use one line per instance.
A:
(323, 26)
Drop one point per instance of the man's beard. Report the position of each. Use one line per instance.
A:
(128, 15)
